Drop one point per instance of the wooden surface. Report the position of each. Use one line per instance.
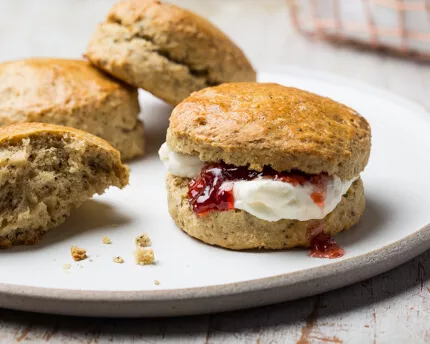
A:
(390, 308)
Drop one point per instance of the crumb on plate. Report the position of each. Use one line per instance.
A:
(78, 253)
(66, 266)
(144, 256)
(143, 240)
(157, 282)
(106, 240)
(118, 260)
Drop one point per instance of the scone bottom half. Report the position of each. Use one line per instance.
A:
(46, 171)
(238, 208)
(265, 166)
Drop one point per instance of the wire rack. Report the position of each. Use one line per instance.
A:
(397, 26)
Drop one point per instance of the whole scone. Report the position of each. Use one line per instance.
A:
(166, 50)
(254, 165)
(75, 94)
(46, 171)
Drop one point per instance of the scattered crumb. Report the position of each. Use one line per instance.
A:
(106, 240)
(143, 240)
(90, 260)
(144, 256)
(118, 260)
(157, 282)
(78, 253)
(66, 266)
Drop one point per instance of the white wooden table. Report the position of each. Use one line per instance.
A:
(390, 308)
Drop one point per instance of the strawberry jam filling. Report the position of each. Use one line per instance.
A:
(207, 193)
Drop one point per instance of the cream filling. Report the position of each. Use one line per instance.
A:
(181, 165)
(267, 199)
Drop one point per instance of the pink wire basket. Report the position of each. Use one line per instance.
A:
(397, 26)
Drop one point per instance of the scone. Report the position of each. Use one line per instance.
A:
(46, 171)
(74, 94)
(254, 165)
(165, 50)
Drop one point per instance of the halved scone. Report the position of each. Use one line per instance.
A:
(46, 171)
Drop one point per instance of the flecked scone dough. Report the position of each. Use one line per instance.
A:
(166, 50)
(258, 124)
(267, 124)
(239, 230)
(46, 171)
(75, 94)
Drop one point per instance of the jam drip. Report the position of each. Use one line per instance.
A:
(324, 246)
(206, 192)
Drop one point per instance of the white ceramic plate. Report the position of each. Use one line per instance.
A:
(197, 278)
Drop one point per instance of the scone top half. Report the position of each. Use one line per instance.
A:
(258, 124)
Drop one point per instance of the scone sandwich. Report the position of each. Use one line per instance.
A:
(75, 94)
(45, 172)
(254, 165)
(165, 50)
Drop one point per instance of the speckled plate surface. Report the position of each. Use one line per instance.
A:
(196, 278)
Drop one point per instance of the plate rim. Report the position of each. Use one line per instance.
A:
(397, 248)
(383, 258)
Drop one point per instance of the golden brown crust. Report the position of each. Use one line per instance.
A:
(260, 124)
(17, 132)
(239, 230)
(166, 50)
(71, 93)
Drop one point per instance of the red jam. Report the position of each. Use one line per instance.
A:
(205, 192)
(324, 246)
(320, 193)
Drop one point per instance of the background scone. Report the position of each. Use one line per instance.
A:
(75, 94)
(264, 166)
(46, 171)
(166, 50)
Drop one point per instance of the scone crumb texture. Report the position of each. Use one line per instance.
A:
(143, 240)
(144, 256)
(106, 240)
(5, 243)
(78, 253)
(118, 260)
